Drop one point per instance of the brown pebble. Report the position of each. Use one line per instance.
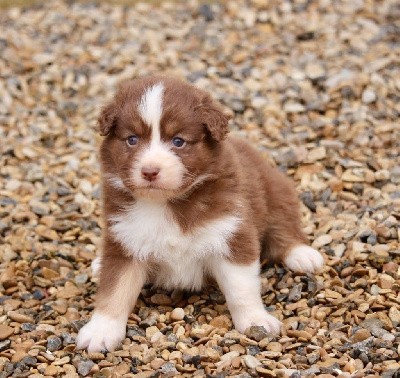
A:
(221, 321)
(20, 318)
(5, 331)
(161, 299)
(361, 335)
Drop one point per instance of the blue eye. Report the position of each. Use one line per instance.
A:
(132, 140)
(178, 142)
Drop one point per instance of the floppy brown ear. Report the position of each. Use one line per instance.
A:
(213, 118)
(106, 120)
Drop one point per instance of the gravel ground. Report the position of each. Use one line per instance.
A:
(315, 84)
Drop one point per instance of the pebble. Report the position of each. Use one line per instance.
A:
(361, 335)
(257, 333)
(161, 299)
(221, 321)
(84, 367)
(177, 314)
(368, 96)
(20, 318)
(51, 371)
(5, 331)
(322, 241)
(251, 362)
(54, 343)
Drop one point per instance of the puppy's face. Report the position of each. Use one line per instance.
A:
(161, 137)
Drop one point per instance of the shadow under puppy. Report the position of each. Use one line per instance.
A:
(183, 202)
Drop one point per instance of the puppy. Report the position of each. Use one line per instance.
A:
(183, 202)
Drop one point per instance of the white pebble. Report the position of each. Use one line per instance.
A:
(177, 314)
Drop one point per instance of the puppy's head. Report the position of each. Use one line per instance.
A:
(161, 137)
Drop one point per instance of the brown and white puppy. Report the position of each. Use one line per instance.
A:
(183, 203)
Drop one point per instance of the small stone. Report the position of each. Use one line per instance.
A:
(386, 281)
(308, 200)
(69, 291)
(60, 305)
(157, 363)
(299, 334)
(5, 331)
(221, 321)
(201, 331)
(49, 273)
(168, 370)
(4, 345)
(51, 371)
(293, 107)
(361, 335)
(151, 331)
(20, 318)
(251, 362)
(256, 333)
(264, 372)
(274, 346)
(315, 71)
(80, 279)
(206, 12)
(382, 175)
(295, 293)
(39, 208)
(316, 154)
(394, 315)
(84, 367)
(212, 354)
(54, 343)
(161, 299)
(229, 356)
(29, 361)
(368, 96)
(177, 314)
(321, 241)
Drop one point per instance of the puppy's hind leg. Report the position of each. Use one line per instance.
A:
(285, 240)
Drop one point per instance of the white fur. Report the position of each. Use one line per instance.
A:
(148, 231)
(102, 332)
(96, 265)
(151, 108)
(241, 286)
(115, 182)
(305, 259)
(159, 155)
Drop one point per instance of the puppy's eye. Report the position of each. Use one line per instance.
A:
(178, 142)
(132, 140)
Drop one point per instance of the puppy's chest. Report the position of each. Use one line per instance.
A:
(148, 231)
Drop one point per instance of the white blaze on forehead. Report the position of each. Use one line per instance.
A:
(150, 109)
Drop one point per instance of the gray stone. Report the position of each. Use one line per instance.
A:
(257, 333)
(54, 343)
(84, 367)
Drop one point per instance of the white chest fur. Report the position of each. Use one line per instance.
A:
(147, 230)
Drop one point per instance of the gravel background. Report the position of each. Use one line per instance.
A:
(315, 84)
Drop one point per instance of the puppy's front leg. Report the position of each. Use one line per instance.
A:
(121, 279)
(242, 289)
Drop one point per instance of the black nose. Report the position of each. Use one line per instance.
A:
(150, 174)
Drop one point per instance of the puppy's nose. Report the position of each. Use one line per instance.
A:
(150, 174)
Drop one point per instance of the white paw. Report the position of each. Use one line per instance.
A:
(304, 259)
(96, 264)
(257, 318)
(102, 332)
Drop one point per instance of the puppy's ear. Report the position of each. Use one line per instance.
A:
(107, 118)
(213, 118)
